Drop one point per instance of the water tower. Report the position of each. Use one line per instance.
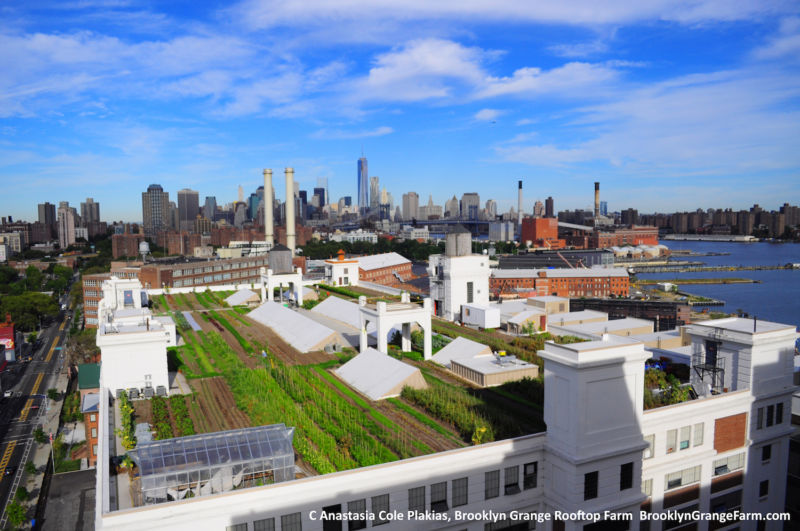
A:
(144, 250)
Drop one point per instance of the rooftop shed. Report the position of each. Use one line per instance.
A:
(377, 375)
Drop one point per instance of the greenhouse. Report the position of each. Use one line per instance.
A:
(211, 463)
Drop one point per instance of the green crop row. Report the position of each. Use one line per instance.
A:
(424, 419)
(230, 328)
(239, 318)
(158, 407)
(380, 417)
(185, 426)
(201, 298)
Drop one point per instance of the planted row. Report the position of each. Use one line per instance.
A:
(184, 424)
(161, 422)
(230, 328)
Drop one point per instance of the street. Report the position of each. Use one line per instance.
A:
(24, 411)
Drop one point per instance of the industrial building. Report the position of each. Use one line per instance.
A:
(602, 454)
(595, 282)
(188, 272)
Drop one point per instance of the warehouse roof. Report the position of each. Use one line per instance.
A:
(298, 330)
(561, 273)
(378, 375)
(378, 261)
(459, 348)
(243, 296)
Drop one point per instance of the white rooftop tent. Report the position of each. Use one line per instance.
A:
(378, 376)
(459, 348)
(299, 331)
(242, 297)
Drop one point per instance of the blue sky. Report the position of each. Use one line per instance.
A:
(671, 105)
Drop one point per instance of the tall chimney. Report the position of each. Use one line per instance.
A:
(519, 204)
(290, 235)
(596, 200)
(269, 231)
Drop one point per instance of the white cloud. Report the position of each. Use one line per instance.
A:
(786, 44)
(722, 123)
(582, 49)
(338, 134)
(530, 81)
(487, 115)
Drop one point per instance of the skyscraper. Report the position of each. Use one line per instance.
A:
(155, 210)
(374, 193)
(549, 212)
(189, 207)
(210, 208)
(491, 209)
(538, 209)
(66, 225)
(363, 184)
(410, 206)
(47, 217)
(470, 205)
(90, 212)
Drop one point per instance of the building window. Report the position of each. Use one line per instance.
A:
(94, 433)
(492, 484)
(686, 434)
(237, 527)
(93, 417)
(647, 487)
(357, 508)
(530, 475)
(416, 499)
(779, 413)
(698, 434)
(763, 488)
(291, 522)
(626, 476)
(439, 497)
(94, 449)
(770, 415)
(590, 485)
(380, 504)
(760, 418)
(766, 453)
(460, 491)
(672, 440)
(684, 477)
(469, 292)
(651, 442)
(728, 464)
(511, 480)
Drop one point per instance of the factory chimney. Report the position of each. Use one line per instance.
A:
(519, 204)
(290, 228)
(596, 200)
(268, 222)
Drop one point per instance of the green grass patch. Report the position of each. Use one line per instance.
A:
(230, 328)
(202, 299)
(424, 419)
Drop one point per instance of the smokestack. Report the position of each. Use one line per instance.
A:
(596, 200)
(290, 236)
(519, 203)
(269, 231)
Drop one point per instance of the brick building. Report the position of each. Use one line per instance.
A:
(383, 268)
(190, 272)
(633, 235)
(126, 244)
(559, 282)
(92, 292)
(89, 385)
(541, 232)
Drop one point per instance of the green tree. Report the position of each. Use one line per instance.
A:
(30, 468)
(16, 514)
(22, 494)
(53, 394)
(33, 278)
(28, 308)
(40, 436)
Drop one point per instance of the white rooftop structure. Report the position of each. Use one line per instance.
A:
(378, 376)
(460, 348)
(487, 364)
(299, 331)
(343, 311)
(524, 316)
(378, 261)
(628, 326)
(582, 316)
(241, 297)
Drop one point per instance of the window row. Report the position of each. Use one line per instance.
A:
(684, 438)
(592, 479)
(774, 415)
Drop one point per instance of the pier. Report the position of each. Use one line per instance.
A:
(698, 269)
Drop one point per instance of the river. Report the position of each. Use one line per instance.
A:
(776, 298)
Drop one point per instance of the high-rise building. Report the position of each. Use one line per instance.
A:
(210, 208)
(47, 217)
(363, 185)
(470, 205)
(188, 208)
(538, 209)
(155, 210)
(66, 225)
(451, 208)
(90, 212)
(604, 208)
(322, 198)
(549, 211)
(410, 206)
(252, 206)
(491, 209)
(374, 193)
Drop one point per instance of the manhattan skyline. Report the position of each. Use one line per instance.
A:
(671, 107)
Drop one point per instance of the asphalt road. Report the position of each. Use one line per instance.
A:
(25, 410)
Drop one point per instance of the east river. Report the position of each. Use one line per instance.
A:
(775, 298)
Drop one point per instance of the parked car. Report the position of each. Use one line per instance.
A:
(10, 470)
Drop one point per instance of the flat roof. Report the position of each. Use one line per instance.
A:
(739, 324)
(89, 376)
(597, 328)
(569, 317)
(527, 314)
(549, 298)
(654, 336)
(489, 364)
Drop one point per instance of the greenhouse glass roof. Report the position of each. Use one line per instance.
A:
(210, 463)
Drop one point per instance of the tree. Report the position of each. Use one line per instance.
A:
(16, 514)
(22, 494)
(82, 347)
(30, 468)
(53, 394)
(27, 309)
(33, 278)
(40, 436)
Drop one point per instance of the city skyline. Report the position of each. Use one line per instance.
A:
(670, 108)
